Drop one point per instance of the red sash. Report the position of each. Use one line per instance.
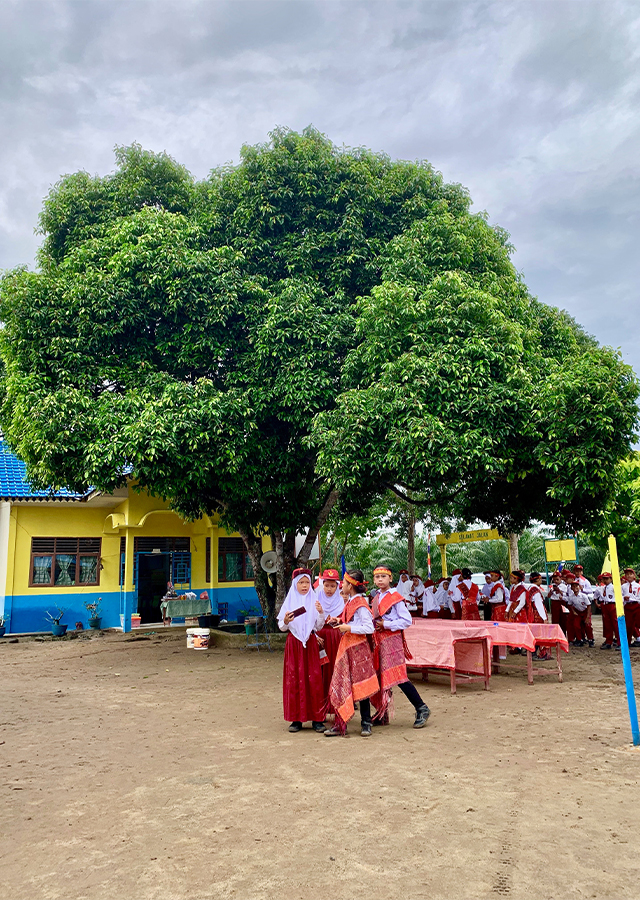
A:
(350, 608)
(388, 601)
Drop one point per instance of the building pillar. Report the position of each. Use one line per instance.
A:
(128, 588)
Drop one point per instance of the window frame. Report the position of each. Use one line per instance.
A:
(222, 562)
(65, 550)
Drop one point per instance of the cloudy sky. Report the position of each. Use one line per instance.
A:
(534, 106)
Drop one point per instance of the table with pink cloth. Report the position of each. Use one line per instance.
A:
(463, 647)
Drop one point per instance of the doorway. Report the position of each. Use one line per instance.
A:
(154, 571)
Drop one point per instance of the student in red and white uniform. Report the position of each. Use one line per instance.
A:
(631, 600)
(456, 600)
(606, 601)
(431, 600)
(302, 686)
(557, 597)
(517, 608)
(332, 604)
(537, 611)
(414, 603)
(579, 603)
(404, 585)
(485, 592)
(497, 596)
(447, 610)
(466, 594)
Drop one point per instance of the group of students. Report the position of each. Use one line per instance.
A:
(345, 650)
(567, 600)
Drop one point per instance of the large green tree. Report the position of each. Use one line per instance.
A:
(310, 327)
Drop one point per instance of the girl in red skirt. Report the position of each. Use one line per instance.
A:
(302, 690)
(332, 605)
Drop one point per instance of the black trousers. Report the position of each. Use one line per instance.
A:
(365, 712)
(410, 691)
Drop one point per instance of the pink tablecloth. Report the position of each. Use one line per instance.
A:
(442, 643)
(547, 635)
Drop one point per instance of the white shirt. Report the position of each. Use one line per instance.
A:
(579, 601)
(430, 600)
(535, 596)
(486, 589)
(585, 585)
(398, 618)
(630, 591)
(362, 622)
(605, 593)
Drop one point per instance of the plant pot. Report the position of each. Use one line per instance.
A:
(210, 621)
(95, 622)
(3, 630)
(250, 627)
(58, 630)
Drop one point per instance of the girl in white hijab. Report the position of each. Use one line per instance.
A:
(302, 690)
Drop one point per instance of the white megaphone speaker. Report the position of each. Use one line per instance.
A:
(268, 561)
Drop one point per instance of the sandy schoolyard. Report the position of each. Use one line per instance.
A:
(139, 770)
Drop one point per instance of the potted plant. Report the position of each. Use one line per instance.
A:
(93, 609)
(57, 629)
(2, 626)
(250, 617)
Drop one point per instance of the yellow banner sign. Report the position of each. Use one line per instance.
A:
(461, 537)
(560, 551)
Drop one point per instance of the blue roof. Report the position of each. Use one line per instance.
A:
(14, 484)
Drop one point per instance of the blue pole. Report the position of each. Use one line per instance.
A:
(624, 643)
(628, 680)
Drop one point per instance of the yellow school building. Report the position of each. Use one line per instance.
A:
(62, 550)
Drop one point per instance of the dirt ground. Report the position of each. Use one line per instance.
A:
(140, 769)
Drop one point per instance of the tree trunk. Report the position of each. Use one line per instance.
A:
(265, 588)
(411, 540)
(513, 551)
(272, 589)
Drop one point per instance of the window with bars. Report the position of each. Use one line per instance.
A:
(65, 562)
(234, 563)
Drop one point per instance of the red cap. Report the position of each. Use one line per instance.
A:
(457, 572)
(330, 575)
(297, 572)
(428, 583)
(605, 575)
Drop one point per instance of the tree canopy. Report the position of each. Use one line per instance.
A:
(308, 328)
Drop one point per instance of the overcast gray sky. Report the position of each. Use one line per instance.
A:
(532, 105)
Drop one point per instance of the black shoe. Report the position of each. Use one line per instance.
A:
(422, 714)
(319, 727)
(366, 729)
(577, 643)
(333, 732)
(592, 643)
(295, 726)
(605, 646)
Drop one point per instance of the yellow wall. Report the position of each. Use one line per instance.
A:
(140, 515)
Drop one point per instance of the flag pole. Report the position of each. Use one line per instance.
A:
(624, 642)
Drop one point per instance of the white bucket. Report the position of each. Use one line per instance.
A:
(201, 638)
(190, 638)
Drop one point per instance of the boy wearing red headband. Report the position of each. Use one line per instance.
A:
(391, 617)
